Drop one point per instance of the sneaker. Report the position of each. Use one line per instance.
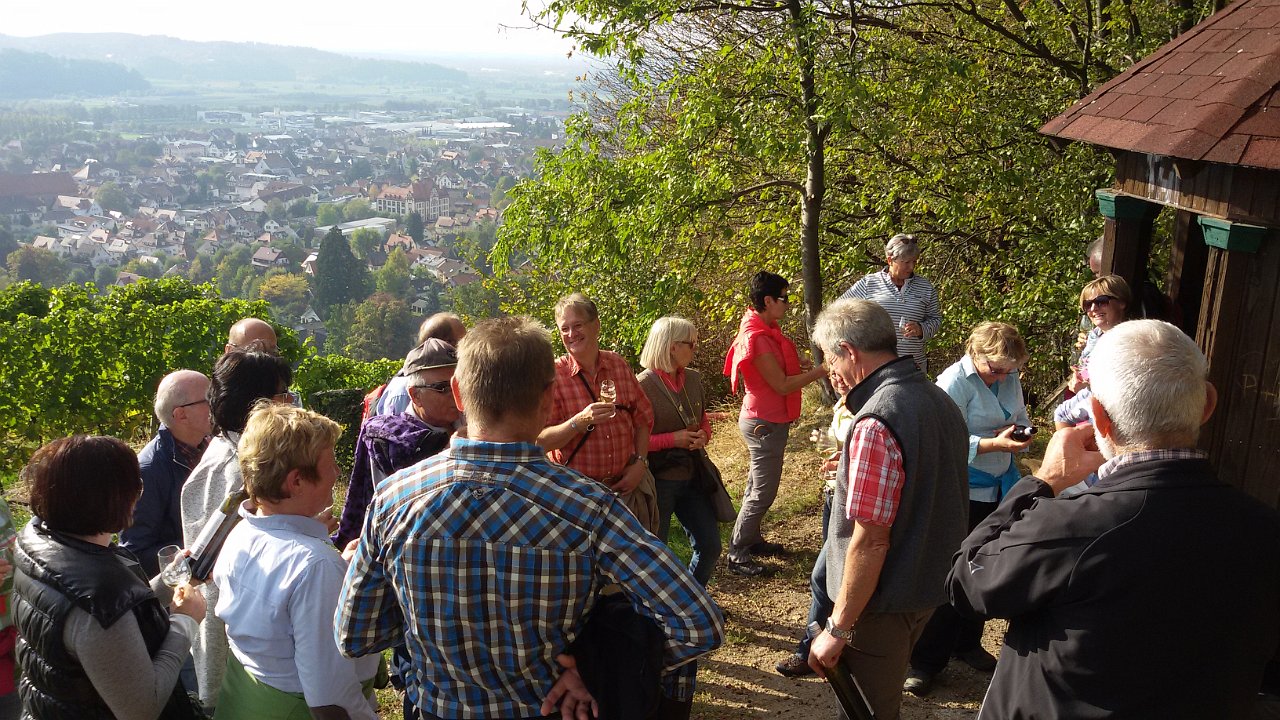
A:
(918, 682)
(768, 549)
(746, 568)
(978, 659)
(794, 666)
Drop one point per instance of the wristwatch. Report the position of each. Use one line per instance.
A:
(638, 458)
(835, 632)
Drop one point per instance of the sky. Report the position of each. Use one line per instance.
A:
(414, 28)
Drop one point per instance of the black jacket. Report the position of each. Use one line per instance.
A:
(56, 573)
(1154, 594)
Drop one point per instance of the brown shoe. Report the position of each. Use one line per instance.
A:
(794, 666)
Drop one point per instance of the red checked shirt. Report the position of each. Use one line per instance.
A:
(610, 446)
(875, 473)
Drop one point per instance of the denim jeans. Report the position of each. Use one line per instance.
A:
(766, 443)
(693, 508)
(820, 604)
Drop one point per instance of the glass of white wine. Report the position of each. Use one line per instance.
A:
(175, 571)
(609, 394)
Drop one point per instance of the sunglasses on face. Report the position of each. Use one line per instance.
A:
(993, 370)
(440, 387)
(1100, 301)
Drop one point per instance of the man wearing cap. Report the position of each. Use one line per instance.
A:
(390, 443)
(394, 398)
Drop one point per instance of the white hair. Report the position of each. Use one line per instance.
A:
(860, 323)
(902, 247)
(1150, 378)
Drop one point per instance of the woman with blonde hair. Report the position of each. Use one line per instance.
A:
(1106, 302)
(984, 384)
(680, 434)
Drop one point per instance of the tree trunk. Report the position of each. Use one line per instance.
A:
(815, 183)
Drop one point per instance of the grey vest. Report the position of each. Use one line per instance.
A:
(934, 502)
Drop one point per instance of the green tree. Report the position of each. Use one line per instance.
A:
(360, 169)
(383, 328)
(232, 265)
(105, 276)
(340, 278)
(112, 197)
(287, 293)
(277, 211)
(328, 214)
(414, 228)
(357, 209)
(37, 265)
(364, 241)
(393, 277)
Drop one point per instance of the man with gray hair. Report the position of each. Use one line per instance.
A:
(1154, 593)
(182, 408)
(900, 505)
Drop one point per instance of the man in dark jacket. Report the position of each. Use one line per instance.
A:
(183, 412)
(1152, 594)
(390, 443)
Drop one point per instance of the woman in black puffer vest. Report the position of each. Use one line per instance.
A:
(95, 641)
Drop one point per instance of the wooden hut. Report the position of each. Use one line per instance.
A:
(1195, 127)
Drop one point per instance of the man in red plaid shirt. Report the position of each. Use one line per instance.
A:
(607, 441)
(900, 505)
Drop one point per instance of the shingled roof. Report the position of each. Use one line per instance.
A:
(1212, 94)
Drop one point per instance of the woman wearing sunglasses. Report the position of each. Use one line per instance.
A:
(1105, 302)
(985, 385)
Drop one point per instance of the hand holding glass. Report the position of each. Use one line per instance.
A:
(609, 394)
(174, 569)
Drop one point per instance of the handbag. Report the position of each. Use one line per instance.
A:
(713, 484)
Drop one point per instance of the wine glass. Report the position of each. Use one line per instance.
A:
(609, 394)
(174, 569)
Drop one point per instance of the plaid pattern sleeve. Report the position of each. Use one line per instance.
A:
(368, 618)
(485, 560)
(875, 473)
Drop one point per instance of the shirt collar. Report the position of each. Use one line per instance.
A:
(296, 523)
(1133, 458)
(461, 448)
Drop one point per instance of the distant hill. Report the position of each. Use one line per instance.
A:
(157, 57)
(37, 75)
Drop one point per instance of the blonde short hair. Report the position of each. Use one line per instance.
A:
(579, 302)
(279, 438)
(996, 341)
(666, 331)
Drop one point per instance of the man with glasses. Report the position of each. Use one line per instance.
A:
(182, 408)
(389, 443)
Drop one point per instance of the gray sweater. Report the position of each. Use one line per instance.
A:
(934, 502)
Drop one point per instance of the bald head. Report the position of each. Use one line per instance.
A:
(182, 405)
(442, 326)
(252, 334)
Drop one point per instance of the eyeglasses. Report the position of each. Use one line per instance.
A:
(439, 387)
(193, 402)
(286, 397)
(690, 343)
(1099, 301)
(992, 370)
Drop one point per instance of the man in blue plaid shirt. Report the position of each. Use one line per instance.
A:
(485, 559)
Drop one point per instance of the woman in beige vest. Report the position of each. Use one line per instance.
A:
(680, 434)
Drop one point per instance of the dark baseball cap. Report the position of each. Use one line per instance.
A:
(431, 354)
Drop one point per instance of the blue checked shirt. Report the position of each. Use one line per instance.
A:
(484, 560)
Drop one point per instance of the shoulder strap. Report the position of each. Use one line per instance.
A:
(590, 428)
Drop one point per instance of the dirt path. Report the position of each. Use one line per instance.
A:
(765, 616)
